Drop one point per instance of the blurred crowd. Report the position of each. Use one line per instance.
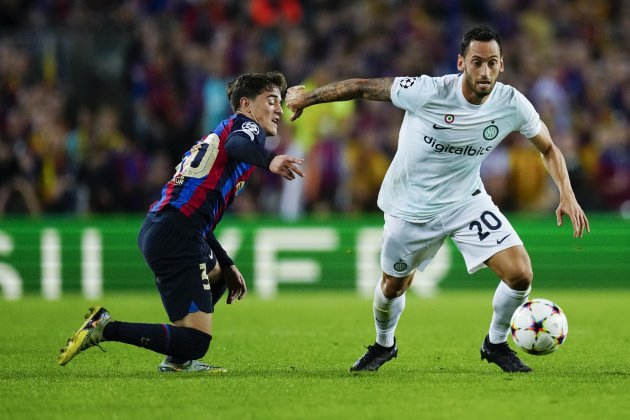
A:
(100, 98)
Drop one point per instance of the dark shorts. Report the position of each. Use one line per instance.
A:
(180, 261)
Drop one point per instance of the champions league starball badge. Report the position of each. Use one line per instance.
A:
(407, 82)
(251, 127)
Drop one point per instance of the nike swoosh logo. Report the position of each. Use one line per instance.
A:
(503, 239)
(439, 127)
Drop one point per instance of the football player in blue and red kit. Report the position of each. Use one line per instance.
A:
(192, 270)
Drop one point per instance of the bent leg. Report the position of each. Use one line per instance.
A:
(513, 267)
(179, 341)
(199, 321)
(405, 246)
(182, 342)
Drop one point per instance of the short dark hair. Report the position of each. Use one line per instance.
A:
(479, 33)
(250, 85)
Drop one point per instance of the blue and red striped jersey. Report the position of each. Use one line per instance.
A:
(207, 180)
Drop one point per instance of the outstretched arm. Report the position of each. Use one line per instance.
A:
(241, 148)
(557, 168)
(373, 89)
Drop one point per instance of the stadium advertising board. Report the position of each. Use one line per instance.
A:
(53, 256)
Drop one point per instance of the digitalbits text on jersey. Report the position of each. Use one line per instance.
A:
(456, 150)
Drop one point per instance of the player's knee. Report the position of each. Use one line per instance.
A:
(199, 344)
(520, 277)
(394, 287)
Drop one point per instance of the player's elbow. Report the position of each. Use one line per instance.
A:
(549, 150)
(520, 277)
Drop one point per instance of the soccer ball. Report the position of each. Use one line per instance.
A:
(539, 326)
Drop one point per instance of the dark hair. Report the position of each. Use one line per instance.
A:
(250, 85)
(479, 33)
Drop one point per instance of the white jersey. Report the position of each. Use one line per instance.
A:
(442, 142)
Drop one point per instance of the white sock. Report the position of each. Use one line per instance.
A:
(504, 303)
(386, 315)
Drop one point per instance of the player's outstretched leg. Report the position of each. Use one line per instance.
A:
(169, 365)
(89, 335)
(375, 357)
(503, 356)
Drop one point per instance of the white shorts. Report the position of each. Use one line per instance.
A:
(478, 229)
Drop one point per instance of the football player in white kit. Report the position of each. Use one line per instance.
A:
(433, 190)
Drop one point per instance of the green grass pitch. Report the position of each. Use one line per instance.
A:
(288, 358)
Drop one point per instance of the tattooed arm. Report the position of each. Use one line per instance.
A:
(373, 89)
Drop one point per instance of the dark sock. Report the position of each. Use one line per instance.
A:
(175, 360)
(180, 342)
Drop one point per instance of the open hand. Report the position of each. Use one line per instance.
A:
(571, 208)
(285, 166)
